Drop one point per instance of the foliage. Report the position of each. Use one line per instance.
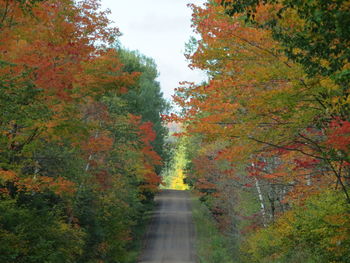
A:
(271, 124)
(317, 231)
(316, 36)
(145, 97)
(173, 174)
(211, 245)
(78, 165)
(32, 234)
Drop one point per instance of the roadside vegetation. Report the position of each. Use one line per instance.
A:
(211, 245)
(139, 231)
(81, 137)
(267, 136)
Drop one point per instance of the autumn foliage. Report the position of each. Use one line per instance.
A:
(268, 132)
(77, 167)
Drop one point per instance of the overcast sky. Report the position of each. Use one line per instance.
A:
(158, 29)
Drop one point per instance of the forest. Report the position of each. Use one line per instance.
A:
(81, 137)
(264, 142)
(267, 137)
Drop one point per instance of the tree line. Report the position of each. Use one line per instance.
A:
(268, 135)
(81, 138)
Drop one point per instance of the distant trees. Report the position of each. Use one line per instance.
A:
(145, 98)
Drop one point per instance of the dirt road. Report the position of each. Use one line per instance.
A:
(170, 237)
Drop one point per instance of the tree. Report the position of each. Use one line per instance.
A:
(77, 167)
(145, 98)
(271, 125)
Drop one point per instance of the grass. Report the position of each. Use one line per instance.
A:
(211, 245)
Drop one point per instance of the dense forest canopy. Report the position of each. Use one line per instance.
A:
(80, 135)
(268, 136)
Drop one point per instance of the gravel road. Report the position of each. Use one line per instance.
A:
(170, 237)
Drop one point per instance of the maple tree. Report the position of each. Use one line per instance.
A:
(269, 129)
(75, 158)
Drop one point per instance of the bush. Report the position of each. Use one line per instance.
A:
(33, 236)
(318, 231)
(211, 245)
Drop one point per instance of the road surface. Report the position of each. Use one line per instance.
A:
(170, 237)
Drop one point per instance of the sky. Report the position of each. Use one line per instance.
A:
(158, 29)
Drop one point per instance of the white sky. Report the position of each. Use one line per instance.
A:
(158, 29)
